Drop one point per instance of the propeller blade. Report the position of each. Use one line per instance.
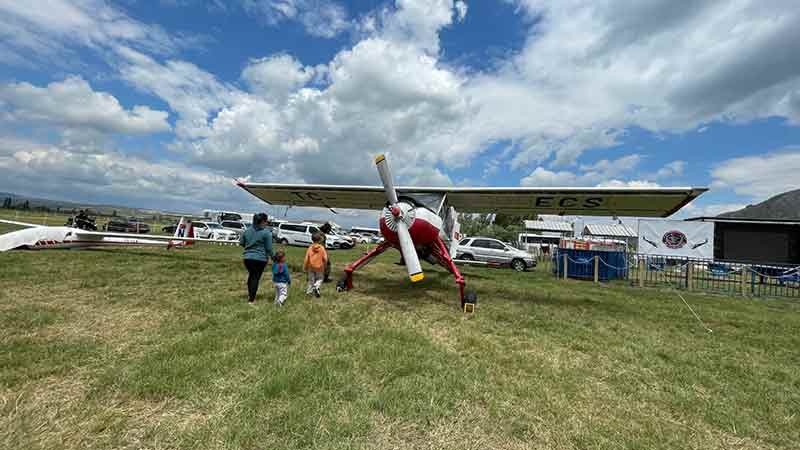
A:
(409, 252)
(386, 179)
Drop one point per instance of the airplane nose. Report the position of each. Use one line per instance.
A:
(395, 211)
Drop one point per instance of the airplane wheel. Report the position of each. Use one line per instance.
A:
(341, 286)
(470, 296)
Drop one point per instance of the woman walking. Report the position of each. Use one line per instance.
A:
(257, 243)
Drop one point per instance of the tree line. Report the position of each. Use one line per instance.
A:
(499, 226)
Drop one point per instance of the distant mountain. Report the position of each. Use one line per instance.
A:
(18, 200)
(781, 206)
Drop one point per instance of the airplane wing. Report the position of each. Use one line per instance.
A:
(159, 237)
(22, 224)
(85, 234)
(643, 202)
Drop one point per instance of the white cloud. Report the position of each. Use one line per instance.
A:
(671, 170)
(379, 96)
(323, 18)
(606, 173)
(35, 30)
(545, 178)
(703, 208)
(461, 10)
(191, 92)
(45, 169)
(630, 184)
(542, 177)
(606, 168)
(419, 21)
(73, 103)
(587, 71)
(277, 76)
(759, 177)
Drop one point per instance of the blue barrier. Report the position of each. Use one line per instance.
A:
(580, 264)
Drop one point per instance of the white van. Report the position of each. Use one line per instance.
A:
(538, 244)
(300, 234)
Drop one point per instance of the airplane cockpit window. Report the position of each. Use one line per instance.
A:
(432, 201)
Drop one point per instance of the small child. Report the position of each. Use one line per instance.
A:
(314, 264)
(280, 277)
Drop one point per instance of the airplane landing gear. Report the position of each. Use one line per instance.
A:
(346, 283)
(469, 301)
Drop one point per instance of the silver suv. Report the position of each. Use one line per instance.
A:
(494, 252)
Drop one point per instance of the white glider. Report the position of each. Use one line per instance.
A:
(41, 237)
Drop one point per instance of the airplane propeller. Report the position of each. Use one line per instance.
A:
(400, 217)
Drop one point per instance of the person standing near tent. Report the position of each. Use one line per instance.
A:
(257, 243)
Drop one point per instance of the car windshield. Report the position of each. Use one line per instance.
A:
(214, 225)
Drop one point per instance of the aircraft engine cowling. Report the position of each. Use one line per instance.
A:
(423, 225)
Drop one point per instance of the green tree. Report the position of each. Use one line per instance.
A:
(473, 224)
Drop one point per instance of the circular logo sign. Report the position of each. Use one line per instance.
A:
(674, 239)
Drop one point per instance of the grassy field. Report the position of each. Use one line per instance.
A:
(148, 348)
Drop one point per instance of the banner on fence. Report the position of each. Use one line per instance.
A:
(676, 238)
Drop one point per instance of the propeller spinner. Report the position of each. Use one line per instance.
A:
(399, 216)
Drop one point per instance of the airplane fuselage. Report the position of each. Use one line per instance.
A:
(46, 238)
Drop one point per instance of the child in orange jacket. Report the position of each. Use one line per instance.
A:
(314, 265)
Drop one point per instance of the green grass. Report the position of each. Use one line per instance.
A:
(148, 348)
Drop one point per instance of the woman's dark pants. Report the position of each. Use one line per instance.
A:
(254, 269)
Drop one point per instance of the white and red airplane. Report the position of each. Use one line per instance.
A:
(41, 237)
(421, 221)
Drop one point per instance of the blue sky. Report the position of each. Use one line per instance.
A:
(162, 103)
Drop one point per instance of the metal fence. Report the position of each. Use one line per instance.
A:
(753, 279)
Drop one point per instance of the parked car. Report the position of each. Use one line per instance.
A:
(213, 230)
(360, 238)
(494, 252)
(366, 238)
(82, 222)
(273, 226)
(300, 234)
(126, 226)
(336, 240)
(237, 226)
(169, 229)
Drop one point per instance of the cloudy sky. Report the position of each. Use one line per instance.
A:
(162, 103)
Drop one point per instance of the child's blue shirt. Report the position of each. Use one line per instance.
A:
(280, 273)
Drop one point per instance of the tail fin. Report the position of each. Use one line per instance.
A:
(189, 231)
(453, 230)
(183, 229)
